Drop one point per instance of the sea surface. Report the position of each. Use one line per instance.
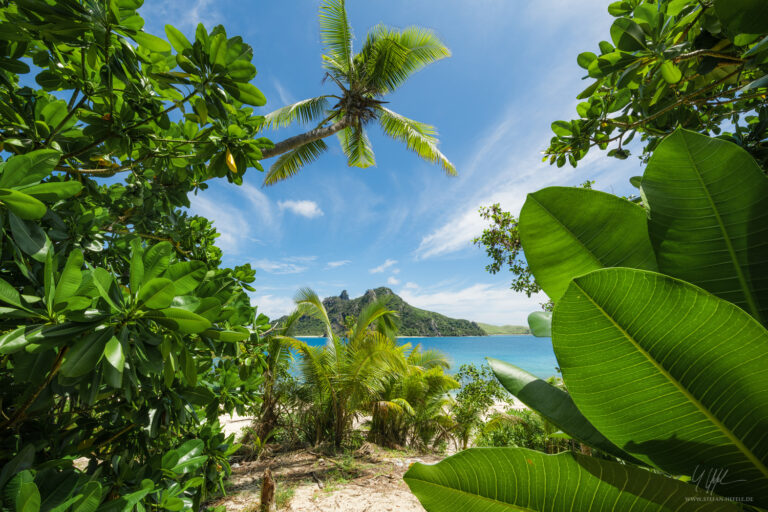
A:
(528, 352)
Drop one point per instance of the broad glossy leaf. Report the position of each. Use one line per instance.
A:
(177, 39)
(20, 462)
(229, 336)
(85, 354)
(156, 260)
(187, 452)
(245, 93)
(540, 324)
(137, 265)
(53, 191)
(21, 493)
(668, 372)
(29, 168)
(708, 203)
(151, 42)
(627, 35)
(186, 275)
(157, 293)
(9, 294)
(518, 479)
(179, 319)
(23, 205)
(568, 231)
(91, 497)
(554, 404)
(113, 352)
(30, 238)
(71, 277)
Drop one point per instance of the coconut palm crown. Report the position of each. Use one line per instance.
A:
(388, 57)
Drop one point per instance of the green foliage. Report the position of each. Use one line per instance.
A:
(672, 63)
(474, 480)
(121, 337)
(669, 372)
(478, 392)
(387, 59)
(503, 329)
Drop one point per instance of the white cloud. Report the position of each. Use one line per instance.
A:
(272, 305)
(308, 209)
(336, 264)
(278, 267)
(283, 94)
(185, 15)
(393, 281)
(411, 286)
(384, 266)
(480, 303)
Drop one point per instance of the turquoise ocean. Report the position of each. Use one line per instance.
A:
(528, 352)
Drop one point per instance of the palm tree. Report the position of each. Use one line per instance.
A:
(388, 57)
(347, 375)
(413, 405)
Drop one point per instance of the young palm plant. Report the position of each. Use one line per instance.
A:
(388, 57)
(347, 375)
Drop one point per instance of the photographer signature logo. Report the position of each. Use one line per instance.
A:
(710, 478)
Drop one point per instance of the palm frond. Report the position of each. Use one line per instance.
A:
(309, 303)
(418, 137)
(374, 314)
(357, 147)
(390, 56)
(336, 34)
(304, 111)
(290, 163)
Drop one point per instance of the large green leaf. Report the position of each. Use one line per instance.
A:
(517, 479)
(554, 404)
(186, 275)
(668, 372)
(30, 238)
(156, 260)
(708, 202)
(568, 231)
(540, 324)
(29, 168)
(21, 493)
(23, 205)
(179, 319)
(54, 191)
(71, 277)
(157, 293)
(85, 354)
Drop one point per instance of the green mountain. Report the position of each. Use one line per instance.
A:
(504, 329)
(413, 321)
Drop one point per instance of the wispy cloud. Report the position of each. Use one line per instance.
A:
(282, 93)
(384, 266)
(308, 209)
(480, 303)
(393, 281)
(184, 15)
(337, 264)
(274, 306)
(411, 286)
(279, 267)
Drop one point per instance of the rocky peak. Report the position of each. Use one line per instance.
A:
(344, 295)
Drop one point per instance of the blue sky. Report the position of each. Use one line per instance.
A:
(403, 223)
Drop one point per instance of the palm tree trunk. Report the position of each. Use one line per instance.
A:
(291, 143)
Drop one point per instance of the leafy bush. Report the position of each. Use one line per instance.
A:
(121, 337)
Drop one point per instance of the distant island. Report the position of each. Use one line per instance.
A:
(413, 321)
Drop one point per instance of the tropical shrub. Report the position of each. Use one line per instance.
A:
(122, 338)
(659, 331)
(413, 408)
(478, 392)
(699, 65)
